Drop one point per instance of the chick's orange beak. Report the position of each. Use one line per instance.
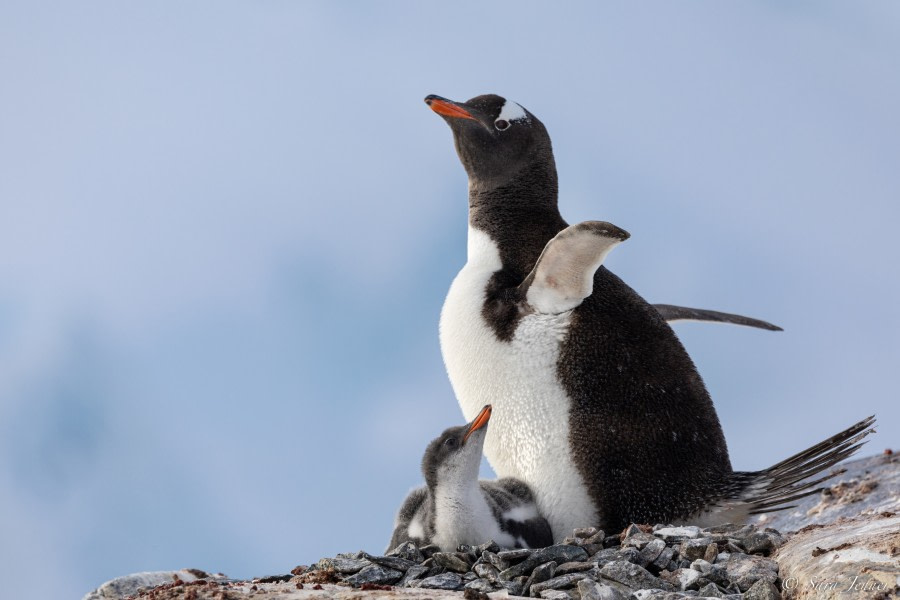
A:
(480, 421)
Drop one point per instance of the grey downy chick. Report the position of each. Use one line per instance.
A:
(455, 507)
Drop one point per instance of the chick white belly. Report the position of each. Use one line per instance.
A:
(528, 436)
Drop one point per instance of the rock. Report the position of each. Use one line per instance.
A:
(687, 578)
(650, 552)
(495, 560)
(480, 585)
(593, 590)
(634, 576)
(630, 554)
(585, 532)
(408, 551)
(710, 590)
(540, 574)
(391, 562)
(451, 561)
(694, 548)
(663, 560)
(415, 572)
(762, 590)
(488, 572)
(762, 542)
(638, 540)
(514, 556)
(345, 566)
(677, 534)
(556, 595)
(712, 551)
(490, 546)
(559, 554)
(444, 581)
(376, 574)
(745, 570)
(572, 567)
(430, 549)
(597, 538)
(514, 588)
(563, 581)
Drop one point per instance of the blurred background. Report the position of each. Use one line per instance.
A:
(227, 229)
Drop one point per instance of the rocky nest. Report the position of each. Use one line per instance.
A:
(648, 563)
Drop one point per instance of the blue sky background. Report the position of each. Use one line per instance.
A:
(227, 229)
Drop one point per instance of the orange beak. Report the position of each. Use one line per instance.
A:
(447, 108)
(480, 421)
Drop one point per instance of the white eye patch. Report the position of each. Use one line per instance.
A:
(511, 112)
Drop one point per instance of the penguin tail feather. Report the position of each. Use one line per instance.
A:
(794, 478)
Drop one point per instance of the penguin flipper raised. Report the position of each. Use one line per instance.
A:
(564, 273)
(670, 313)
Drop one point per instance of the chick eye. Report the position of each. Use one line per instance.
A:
(450, 442)
(501, 124)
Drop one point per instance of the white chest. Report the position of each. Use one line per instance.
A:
(466, 518)
(528, 436)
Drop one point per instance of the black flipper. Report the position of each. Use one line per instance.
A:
(670, 313)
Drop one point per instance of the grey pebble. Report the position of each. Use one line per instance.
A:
(452, 561)
(375, 574)
(638, 540)
(540, 574)
(391, 562)
(650, 552)
(492, 558)
(407, 550)
(712, 550)
(761, 543)
(634, 576)
(563, 581)
(412, 574)
(585, 532)
(677, 534)
(480, 585)
(694, 548)
(488, 572)
(556, 595)
(572, 567)
(710, 590)
(344, 566)
(512, 556)
(444, 581)
(664, 558)
(745, 570)
(593, 590)
(559, 554)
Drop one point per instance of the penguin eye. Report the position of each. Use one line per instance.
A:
(501, 124)
(450, 442)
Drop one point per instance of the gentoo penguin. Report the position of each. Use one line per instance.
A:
(600, 410)
(456, 508)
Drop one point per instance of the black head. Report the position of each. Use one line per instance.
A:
(495, 138)
(454, 457)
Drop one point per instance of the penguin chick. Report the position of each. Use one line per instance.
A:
(455, 508)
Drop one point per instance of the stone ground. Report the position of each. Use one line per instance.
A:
(843, 543)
